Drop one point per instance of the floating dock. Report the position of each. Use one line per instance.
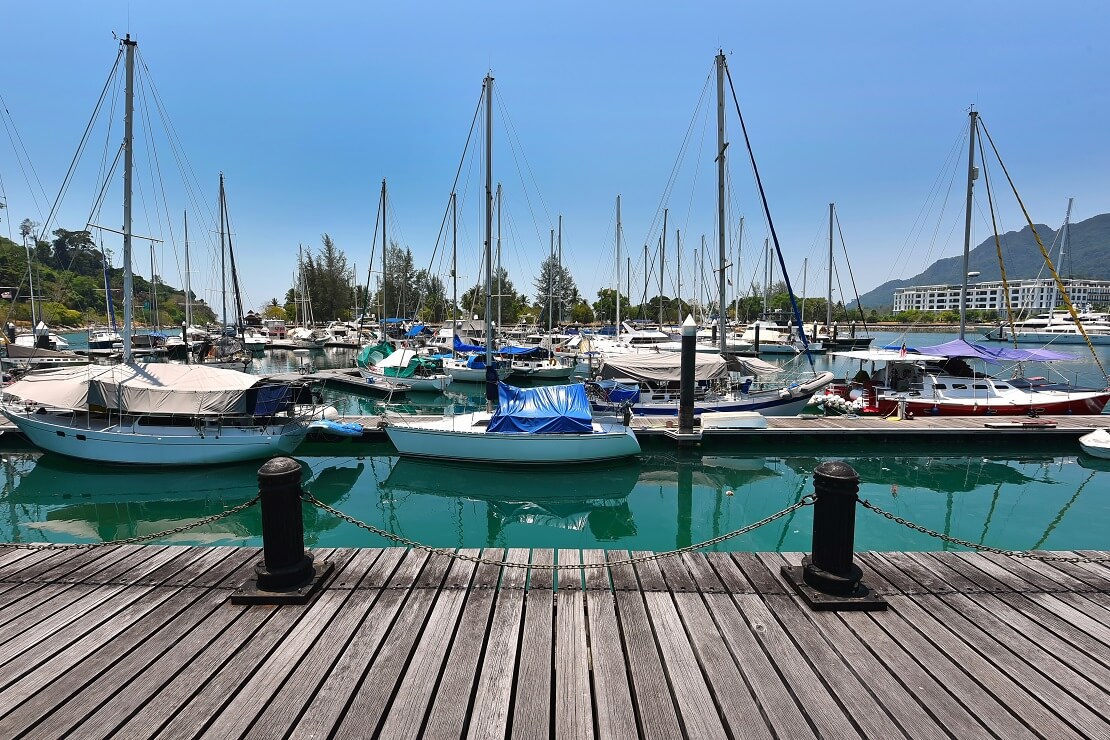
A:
(140, 642)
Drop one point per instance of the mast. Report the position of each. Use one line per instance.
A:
(454, 269)
(739, 247)
(678, 268)
(238, 305)
(223, 259)
(550, 283)
(1065, 237)
(972, 174)
(31, 283)
(642, 314)
(188, 287)
(701, 277)
(489, 216)
(769, 274)
(128, 164)
(559, 242)
(617, 321)
(662, 258)
(498, 256)
(721, 144)
(828, 307)
(385, 272)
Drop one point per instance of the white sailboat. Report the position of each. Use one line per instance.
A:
(531, 426)
(153, 414)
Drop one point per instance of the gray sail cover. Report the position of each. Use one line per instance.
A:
(159, 388)
(662, 367)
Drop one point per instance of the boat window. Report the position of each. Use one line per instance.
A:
(1001, 387)
(940, 386)
(980, 387)
(960, 386)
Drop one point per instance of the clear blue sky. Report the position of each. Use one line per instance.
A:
(306, 107)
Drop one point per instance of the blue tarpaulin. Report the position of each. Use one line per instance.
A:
(619, 392)
(521, 351)
(461, 347)
(415, 331)
(553, 409)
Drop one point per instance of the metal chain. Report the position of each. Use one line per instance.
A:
(141, 538)
(974, 545)
(805, 501)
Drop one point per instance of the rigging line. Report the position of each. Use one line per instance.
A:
(148, 144)
(998, 245)
(192, 187)
(1044, 253)
(67, 181)
(851, 276)
(25, 156)
(158, 168)
(105, 182)
(770, 223)
(1060, 516)
(108, 134)
(520, 174)
(677, 166)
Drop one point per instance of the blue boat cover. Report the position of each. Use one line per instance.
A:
(521, 351)
(461, 347)
(342, 429)
(415, 331)
(553, 409)
(619, 392)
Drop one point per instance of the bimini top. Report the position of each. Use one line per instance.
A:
(158, 388)
(962, 348)
(553, 409)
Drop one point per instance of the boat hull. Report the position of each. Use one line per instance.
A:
(1096, 444)
(1060, 404)
(143, 444)
(512, 449)
(788, 401)
(427, 384)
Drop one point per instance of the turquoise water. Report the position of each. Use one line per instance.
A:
(1020, 498)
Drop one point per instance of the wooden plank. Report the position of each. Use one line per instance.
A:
(1041, 576)
(656, 711)
(496, 676)
(569, 579)
(417, 687)
(453, 698)
(736, 706)
(981, 580)
(757, 573)
(1059, 605)
(1027, 665)
(1094, 575)
(613, 709)
(573, 698)
(374, 694)
(532, 716)
(998, 699)
(56, 615)
(66, 703)
(335, 694)
(727, 569)
(948, 670)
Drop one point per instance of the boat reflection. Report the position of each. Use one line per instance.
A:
(943, 473)
(63, 500)
(590, 497)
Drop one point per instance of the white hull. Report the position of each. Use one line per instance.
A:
(75, 435)
(1096, 444)
(1098, 339)
(426, 383)
(460, 372)
(458, 438)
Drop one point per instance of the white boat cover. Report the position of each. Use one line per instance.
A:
(756, 366)
(159, 388)
(665, 366)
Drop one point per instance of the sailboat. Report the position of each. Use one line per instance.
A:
(937, 380)
(832, 336)
(154, 414)
(531, 426)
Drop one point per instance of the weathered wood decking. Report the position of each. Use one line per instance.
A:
(141, 641)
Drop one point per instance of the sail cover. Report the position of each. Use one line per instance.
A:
(553, 409)
(158, 388)
(662, 367)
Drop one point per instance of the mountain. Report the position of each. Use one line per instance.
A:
(1089, 245)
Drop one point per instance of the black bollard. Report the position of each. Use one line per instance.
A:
(287, 574)
(686, 377)
(755, 343)
(828, 578)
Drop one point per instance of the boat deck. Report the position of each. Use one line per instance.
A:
(142, 641)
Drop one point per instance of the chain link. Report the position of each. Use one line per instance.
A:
(974, 545)
(140, 538)
(399, 539)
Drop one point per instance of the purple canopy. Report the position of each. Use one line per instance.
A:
(962, 348)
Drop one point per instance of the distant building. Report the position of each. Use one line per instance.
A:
(1026, 296)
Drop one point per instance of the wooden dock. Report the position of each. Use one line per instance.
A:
(141, 642)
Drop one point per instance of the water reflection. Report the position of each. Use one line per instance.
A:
(55, 499)
(656, 502)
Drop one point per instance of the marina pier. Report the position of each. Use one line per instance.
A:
(126, 640)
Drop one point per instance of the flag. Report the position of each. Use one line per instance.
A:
(902, 351)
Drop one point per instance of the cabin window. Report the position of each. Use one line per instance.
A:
(940, 386)
(980, 387)
(1001, 387)
(960, 386)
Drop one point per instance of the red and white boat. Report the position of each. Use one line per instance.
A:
(938, 381)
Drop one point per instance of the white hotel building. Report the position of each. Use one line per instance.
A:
(1026, 296)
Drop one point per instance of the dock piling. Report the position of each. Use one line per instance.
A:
(686, 377)
(828, 578)
(287, 573)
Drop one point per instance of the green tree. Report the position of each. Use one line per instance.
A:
(605, 307)
(554, 287)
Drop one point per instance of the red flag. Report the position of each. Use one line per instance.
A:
(902, 352)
